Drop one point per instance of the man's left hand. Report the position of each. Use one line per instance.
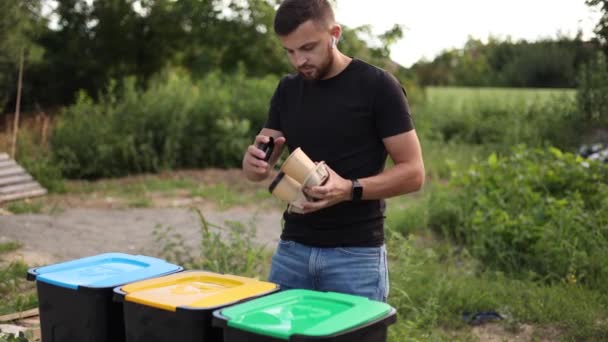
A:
(334, 191)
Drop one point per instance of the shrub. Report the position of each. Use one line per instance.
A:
(175, 123)
(539, 211)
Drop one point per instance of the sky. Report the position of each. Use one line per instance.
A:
(431, 26)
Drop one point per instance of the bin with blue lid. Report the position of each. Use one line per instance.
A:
(179, 307)
(306, 316)
(75, 297)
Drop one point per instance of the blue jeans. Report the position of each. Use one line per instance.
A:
(360, 271)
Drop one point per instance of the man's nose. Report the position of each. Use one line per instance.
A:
(300, 59)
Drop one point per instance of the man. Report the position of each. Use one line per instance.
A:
(350, 115)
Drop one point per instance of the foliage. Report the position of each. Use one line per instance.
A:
(500, 117)
(602, 27)
(549, 63)
(175, 123)
(227, 249)
(592, 92)
(538, 211)
(25, 207)
(433, 285)
(12, 338)
(20, 26)
(37, 160)
(92, 43)
(17, 294)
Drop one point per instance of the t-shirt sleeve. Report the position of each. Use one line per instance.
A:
(274, 112)
(391, 108)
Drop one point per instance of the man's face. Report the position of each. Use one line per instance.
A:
(309, 49)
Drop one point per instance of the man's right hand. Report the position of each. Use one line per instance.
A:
(254, 166)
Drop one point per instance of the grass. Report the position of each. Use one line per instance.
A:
(16, 292)
(501, 97)
(26, 206)
(500, 117)
(10, 246)
(225, 196)
(225, 248)
(433, 284)
(138, 192)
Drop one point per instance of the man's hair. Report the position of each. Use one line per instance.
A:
(293, 13)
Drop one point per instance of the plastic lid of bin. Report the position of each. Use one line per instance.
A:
(304, 312)
(103, 271)
(195, 290)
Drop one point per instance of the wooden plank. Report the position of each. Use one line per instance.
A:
(15, 182)
(29, 322)
(19, 315)
(12, 197)
(8, 163)
(15, 179)
(11, 171)
(20, 187)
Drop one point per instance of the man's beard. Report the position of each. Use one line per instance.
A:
(320, 72)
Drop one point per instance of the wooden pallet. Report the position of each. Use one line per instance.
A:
(15, 182)
(26, 322)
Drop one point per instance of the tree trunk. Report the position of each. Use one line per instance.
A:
(17, 107)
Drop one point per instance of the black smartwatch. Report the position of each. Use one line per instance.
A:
(357, 190)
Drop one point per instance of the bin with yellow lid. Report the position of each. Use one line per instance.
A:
(180, 307)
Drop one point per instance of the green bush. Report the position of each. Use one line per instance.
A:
(538, 211)
(174, 123)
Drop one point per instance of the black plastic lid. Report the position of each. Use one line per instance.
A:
(267, 148)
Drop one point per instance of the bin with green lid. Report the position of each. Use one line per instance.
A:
(304, 315)
(180, 307)
(75, 297)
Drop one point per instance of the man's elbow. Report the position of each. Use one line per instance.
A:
(416, 180)
(419, 180)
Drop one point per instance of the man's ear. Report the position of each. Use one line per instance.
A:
(336, 32)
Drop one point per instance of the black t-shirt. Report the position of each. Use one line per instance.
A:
(342, 121)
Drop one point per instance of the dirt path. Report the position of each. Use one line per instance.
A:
(89, 224)
(78, 232)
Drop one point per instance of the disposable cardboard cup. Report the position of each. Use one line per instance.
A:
(298, 166)
(318, 176)
(285, 188)
(295, 208)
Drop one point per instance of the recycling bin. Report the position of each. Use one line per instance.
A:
(76, 297)
(180, 307)
(304, 315)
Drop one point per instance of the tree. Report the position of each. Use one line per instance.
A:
(601, 28)
(20, 23)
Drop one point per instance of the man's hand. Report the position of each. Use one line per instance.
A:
(334, 191)
(254, 166)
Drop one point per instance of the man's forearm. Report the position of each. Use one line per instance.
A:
(398, 180)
